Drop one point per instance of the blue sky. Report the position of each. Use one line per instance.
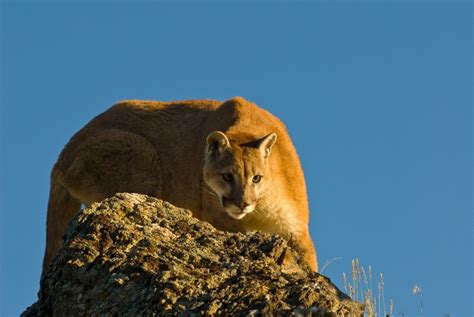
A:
(376, 96)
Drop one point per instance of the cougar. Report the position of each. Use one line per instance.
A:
(232, 164)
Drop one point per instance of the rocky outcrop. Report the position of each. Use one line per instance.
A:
(135, 255)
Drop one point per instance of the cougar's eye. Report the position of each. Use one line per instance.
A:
(256, 179)
(228, 177)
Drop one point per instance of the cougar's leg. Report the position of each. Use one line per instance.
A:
(100, 165)
(61, 208)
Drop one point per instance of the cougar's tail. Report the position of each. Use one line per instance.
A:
(61, 209)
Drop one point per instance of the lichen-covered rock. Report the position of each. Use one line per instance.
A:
(135, 255)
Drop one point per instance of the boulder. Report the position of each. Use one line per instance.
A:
(134, 255)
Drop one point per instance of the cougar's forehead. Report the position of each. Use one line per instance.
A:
(248, 161)
(240, 160)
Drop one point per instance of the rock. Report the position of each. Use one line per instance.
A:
(136, 255)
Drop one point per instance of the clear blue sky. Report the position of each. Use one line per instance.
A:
(377, 98)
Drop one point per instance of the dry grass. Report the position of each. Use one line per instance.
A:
(361, 289)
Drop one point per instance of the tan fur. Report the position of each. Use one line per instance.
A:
(169, 150)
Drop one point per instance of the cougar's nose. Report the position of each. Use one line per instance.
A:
(241, 204)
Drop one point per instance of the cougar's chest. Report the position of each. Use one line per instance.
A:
(276, 218)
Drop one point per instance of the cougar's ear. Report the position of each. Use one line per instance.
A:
(266, 144)
(217, 142)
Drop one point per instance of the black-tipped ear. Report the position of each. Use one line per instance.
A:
(266, 144)
(217, 142)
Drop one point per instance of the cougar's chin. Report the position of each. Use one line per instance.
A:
(234, 213)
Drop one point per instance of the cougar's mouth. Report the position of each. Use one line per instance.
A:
(235, 212)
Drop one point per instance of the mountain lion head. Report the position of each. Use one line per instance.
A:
(237, 173)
